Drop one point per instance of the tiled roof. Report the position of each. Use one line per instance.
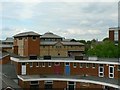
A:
(31, 33)
(47, 43)
(5, 46)
(64, 43)
(78, 78)
(50, 35)
(8, 39)
(72, 43)
(114, 28)
(7, 74)
(9, 70)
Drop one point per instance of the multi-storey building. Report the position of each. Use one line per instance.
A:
(27, 43)
(61, 65)
(50, 62)
(114, 34)
(7, 45)
(68, 73)
(56, 46)
(31, 43)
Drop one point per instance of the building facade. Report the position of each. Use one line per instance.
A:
(31, 43)
(114, 34)
(61, 65)
(68, 73)
(26, 44)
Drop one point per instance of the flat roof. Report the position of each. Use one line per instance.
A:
(99, 61)
(76, 78)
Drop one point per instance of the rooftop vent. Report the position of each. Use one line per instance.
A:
(32, 57)
(47, 57)
(78, 57)
(93, 58)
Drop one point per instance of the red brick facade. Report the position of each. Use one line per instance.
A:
(5, 59)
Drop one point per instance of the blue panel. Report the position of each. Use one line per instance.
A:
(67, 70)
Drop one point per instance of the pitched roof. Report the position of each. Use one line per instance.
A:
(31, 33)
(7, 82)
(7, 74)
(64, 43)
(50, 35)
(72, 43)
(9, 70)
(47, 43)
(8, 39)
(3, 54)
(6, 46)
(114, 28)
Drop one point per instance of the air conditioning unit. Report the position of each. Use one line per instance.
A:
(78, 57)
(93, 58)
(47, 57)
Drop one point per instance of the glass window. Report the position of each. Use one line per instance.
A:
(67, 64)
(31, 64)
(57, 63)
(43, 64)
(81, 65)
(116, 35)
(37, 64)
(33, 37)
(34, 83)
(49, 64)
(87, 65)
(20, 38)
(118, 67)
(93, 65)
(74, 65)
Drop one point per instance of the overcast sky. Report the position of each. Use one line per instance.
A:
(73, 19)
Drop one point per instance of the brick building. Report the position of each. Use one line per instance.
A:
(114, 34)
(7, 45)
(60, 65)
(68, 73)
(31, 43)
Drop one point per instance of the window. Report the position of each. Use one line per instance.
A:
(58, 54)
(67, 64)
(118, 67)
(33, 37)
(20, 38)
(87, 65)
(37, 64)
(58, 46)
(31, 64)
(43, 64)
(81, 65)
(49, 64)
(43, 46)
(101, 70)
(93, 65)
(71, 85)
(116, 35)
(111, 71)
(34, 83)
(57, 63)
(74, 65)
(48, 85)
(48, 82)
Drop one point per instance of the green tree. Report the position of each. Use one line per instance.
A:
(104, 49)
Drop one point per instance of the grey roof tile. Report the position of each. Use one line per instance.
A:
(63, 42)
(50, 35)
(31, 33)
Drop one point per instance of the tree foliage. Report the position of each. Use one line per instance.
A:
(104, 49)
